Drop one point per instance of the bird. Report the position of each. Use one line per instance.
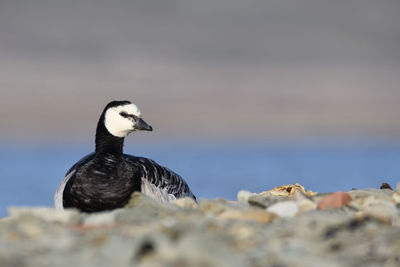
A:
(106, 178)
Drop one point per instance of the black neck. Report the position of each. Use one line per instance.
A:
(107, 143)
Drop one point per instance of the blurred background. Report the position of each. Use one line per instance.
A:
(241, 94)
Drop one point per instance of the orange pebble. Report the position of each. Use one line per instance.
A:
(334, 200)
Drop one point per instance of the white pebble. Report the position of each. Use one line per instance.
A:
(284, 209)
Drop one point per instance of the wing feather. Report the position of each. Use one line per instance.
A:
(160, 180)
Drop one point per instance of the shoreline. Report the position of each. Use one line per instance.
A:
(286, 226)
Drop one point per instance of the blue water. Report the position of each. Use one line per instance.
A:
(30, 174)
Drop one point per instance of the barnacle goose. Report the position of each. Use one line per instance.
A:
(105, 179)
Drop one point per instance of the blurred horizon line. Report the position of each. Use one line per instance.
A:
(202, 141)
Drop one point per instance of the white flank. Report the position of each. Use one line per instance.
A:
(58, 196)
(156, 193)
(118, 125)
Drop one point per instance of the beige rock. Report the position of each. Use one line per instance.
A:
(396, 195)
(186, 203)
(304, 202)
(398, 188)
(385, 212)
(396, 198)
(102, 218)
(219, 205)
(288, 190)
(360, 195)
(260, 216)
(374, 201)
(47, 214)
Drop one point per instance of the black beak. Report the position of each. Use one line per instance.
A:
(142, 125)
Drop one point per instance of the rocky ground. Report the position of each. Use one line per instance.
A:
(287, 226)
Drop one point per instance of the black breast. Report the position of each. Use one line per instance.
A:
(102, 183)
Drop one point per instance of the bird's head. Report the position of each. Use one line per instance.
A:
(122, 118)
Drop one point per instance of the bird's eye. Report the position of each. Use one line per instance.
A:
(123, 114)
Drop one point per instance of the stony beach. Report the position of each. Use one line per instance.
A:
(285, 226)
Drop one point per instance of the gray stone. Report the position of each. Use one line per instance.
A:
(265, 201)
(379, 193)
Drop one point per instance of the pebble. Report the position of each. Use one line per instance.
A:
(304, 202)
(334, 200)
(186, 203)
(243, 196)
(256, 215)
(285, 208)
(265, 201)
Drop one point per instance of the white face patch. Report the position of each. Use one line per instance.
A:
(118, 125)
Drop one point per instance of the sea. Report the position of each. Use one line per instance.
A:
(31, 173)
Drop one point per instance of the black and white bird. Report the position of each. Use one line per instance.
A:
(106, 179)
